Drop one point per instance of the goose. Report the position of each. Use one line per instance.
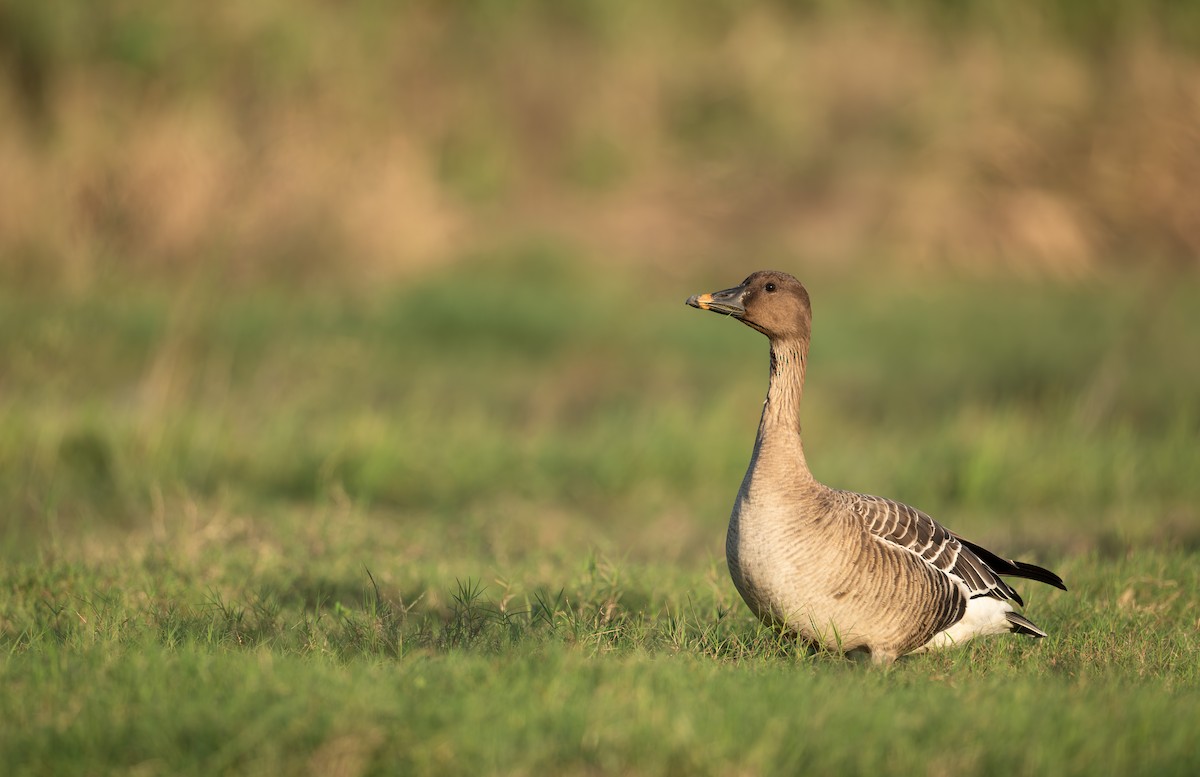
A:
(844, 571)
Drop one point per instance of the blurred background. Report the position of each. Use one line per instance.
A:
(370, 140)
(428, 259)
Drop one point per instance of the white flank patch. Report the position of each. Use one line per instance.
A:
(984, 615)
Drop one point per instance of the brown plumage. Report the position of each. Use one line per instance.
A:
(846, 571)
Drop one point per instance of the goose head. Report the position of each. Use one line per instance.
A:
(772, 302)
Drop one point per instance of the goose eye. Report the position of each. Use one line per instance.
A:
(770, 287)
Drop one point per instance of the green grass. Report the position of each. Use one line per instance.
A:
(474, 524)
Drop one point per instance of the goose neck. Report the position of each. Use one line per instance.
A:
(780, 425)
(789, 359)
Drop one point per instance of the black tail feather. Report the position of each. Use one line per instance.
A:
(1040, 574)
(1021, 625)
(1003, 566)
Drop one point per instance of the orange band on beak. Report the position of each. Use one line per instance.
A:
(703, 300)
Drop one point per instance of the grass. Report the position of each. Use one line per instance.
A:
(473, 523)
(400, 136)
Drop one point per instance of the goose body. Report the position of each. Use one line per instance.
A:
(846, 571)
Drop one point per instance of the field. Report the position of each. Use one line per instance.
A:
(352, 422)
(473, 523)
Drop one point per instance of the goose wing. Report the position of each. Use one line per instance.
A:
(911, 530)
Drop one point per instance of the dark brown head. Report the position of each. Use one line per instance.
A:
(772, 302)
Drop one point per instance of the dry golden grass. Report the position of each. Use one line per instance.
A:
(367, 143)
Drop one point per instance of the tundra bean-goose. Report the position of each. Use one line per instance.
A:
(846, 571)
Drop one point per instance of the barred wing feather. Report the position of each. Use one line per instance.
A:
(911, 530)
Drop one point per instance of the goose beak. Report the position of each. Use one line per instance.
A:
(728, 302)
